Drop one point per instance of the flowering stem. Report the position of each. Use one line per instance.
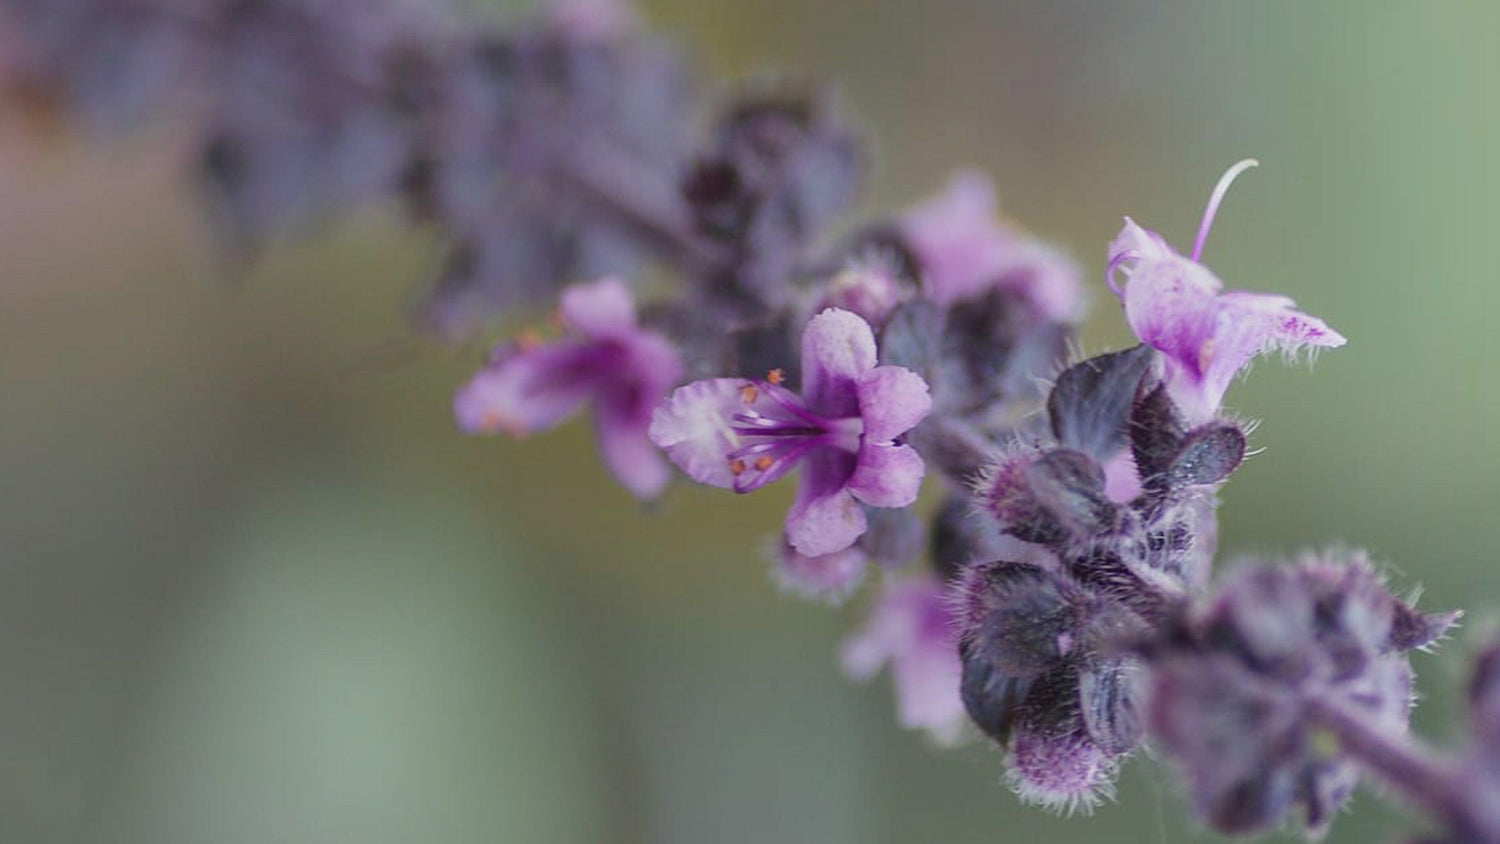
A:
(1406, 766)
(653, 210)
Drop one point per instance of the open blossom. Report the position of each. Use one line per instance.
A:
(743, 434)
(608, 360)
(911, 628)
(965, 252)
(1207, 334)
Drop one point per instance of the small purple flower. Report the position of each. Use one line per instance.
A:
(529, 387)
(743, 434)
(964, 252)
(911, 627)
(1207, 335)
(868, 288)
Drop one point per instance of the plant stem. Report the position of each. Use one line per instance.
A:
(1409, 767)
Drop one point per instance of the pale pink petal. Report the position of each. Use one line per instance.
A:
(602, 308)
(631, 456)
(1140, 243)
(821, 525)
(524, 393)
(956, 239)
(887, 475)
(892, 400)
(693, 427)
(911, 628)
(838, 348)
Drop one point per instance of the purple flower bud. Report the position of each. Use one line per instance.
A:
(1044, 676)
(1178, 306)
(894, 538)
(742, 435)
(1048, 497)
(830, 578)
(1066, 772)
(868, 288)
(531, 386)
(1230, 684)
(911, 629)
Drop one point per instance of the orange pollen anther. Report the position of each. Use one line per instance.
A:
(736, 467)
(776, 376)
(763, 463)
(749, 393)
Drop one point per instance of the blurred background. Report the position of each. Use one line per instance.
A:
(255, 587)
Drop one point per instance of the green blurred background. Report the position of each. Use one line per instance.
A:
(257, 588)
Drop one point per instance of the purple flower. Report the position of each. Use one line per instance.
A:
(911, 627)
(743, 434)
(868, 288)
(965, 252)
(529, 387)
(1179, 307)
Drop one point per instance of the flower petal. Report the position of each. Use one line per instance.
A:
(892, 400)
(1172, 305)
(629, 453)
(887, 475)
(838, 348)
(1140, 243)
(654, 362)
(910, 627)
(824, 517)
(525, 392)
(956, 239)
(1045, 277)
(602, 308)
(693, 427)
(1249, 324)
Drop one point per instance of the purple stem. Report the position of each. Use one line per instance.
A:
(1408, 767)
(654, 210)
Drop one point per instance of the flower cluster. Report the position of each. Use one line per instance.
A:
(1233, 679)
(1056, 599)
